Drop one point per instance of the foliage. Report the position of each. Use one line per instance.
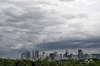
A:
(8, 62)
(46, 62)
(69, 62)
(53, 63)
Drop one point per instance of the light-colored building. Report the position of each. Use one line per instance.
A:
(33, 54)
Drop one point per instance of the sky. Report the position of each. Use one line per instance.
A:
(48, 25)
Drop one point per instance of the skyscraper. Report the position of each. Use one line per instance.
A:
(43, 54)
(22, 56)
(66, 53)
(27, 54)
(52, 56)
(56, 55)
(36, 54)
(33, 54)
(60, 56)
(63, 55)
(80, 54)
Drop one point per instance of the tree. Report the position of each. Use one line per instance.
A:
(53, 63)
(39, 62)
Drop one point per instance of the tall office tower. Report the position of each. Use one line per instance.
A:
(52, 56)
(60, 56)
(56, 55)
(66, 53)
(63, 55)
(43, 55)
(33, 54)
(80, 54)
(27, 54)
(22, 56)
(36, 54)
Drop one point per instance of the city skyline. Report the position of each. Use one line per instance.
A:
(56, 55)
(63, 51)
(47, 25)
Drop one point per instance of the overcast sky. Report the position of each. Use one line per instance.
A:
(48, 25)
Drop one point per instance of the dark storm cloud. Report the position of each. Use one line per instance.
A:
(74, 44)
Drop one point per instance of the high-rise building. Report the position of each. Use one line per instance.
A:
(66, 53)
(43, 54)
(22, 56)
(33, 54)
(56, 55)
(80, 54)
(64, 56)
(36, 54)
(30, 55)
(60, 56)
(27, 54)
(52, 56)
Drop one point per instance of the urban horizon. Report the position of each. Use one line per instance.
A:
(61, 51)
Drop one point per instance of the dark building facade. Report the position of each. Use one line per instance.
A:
(36, 54)
(52, 56)
(80, 54)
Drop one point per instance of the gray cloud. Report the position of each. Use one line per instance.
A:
(46, 25)
(67, 0)
(73, 44)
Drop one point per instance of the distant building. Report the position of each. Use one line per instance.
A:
(22, 56)
(96, 55)
(75, 57)
(40, 56)
(43, 53)
(30, 54)
(80, 54)
(56, 55)
(64, 56)
(33, 54)
(60, 56)
(27, 54)
(85, 56)
(36, 54)
(8, 57)
(52, 56)
(70, 56)
(66, 53)
(90, 56)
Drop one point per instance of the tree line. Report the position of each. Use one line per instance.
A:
(9, 62)
(46, 62)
